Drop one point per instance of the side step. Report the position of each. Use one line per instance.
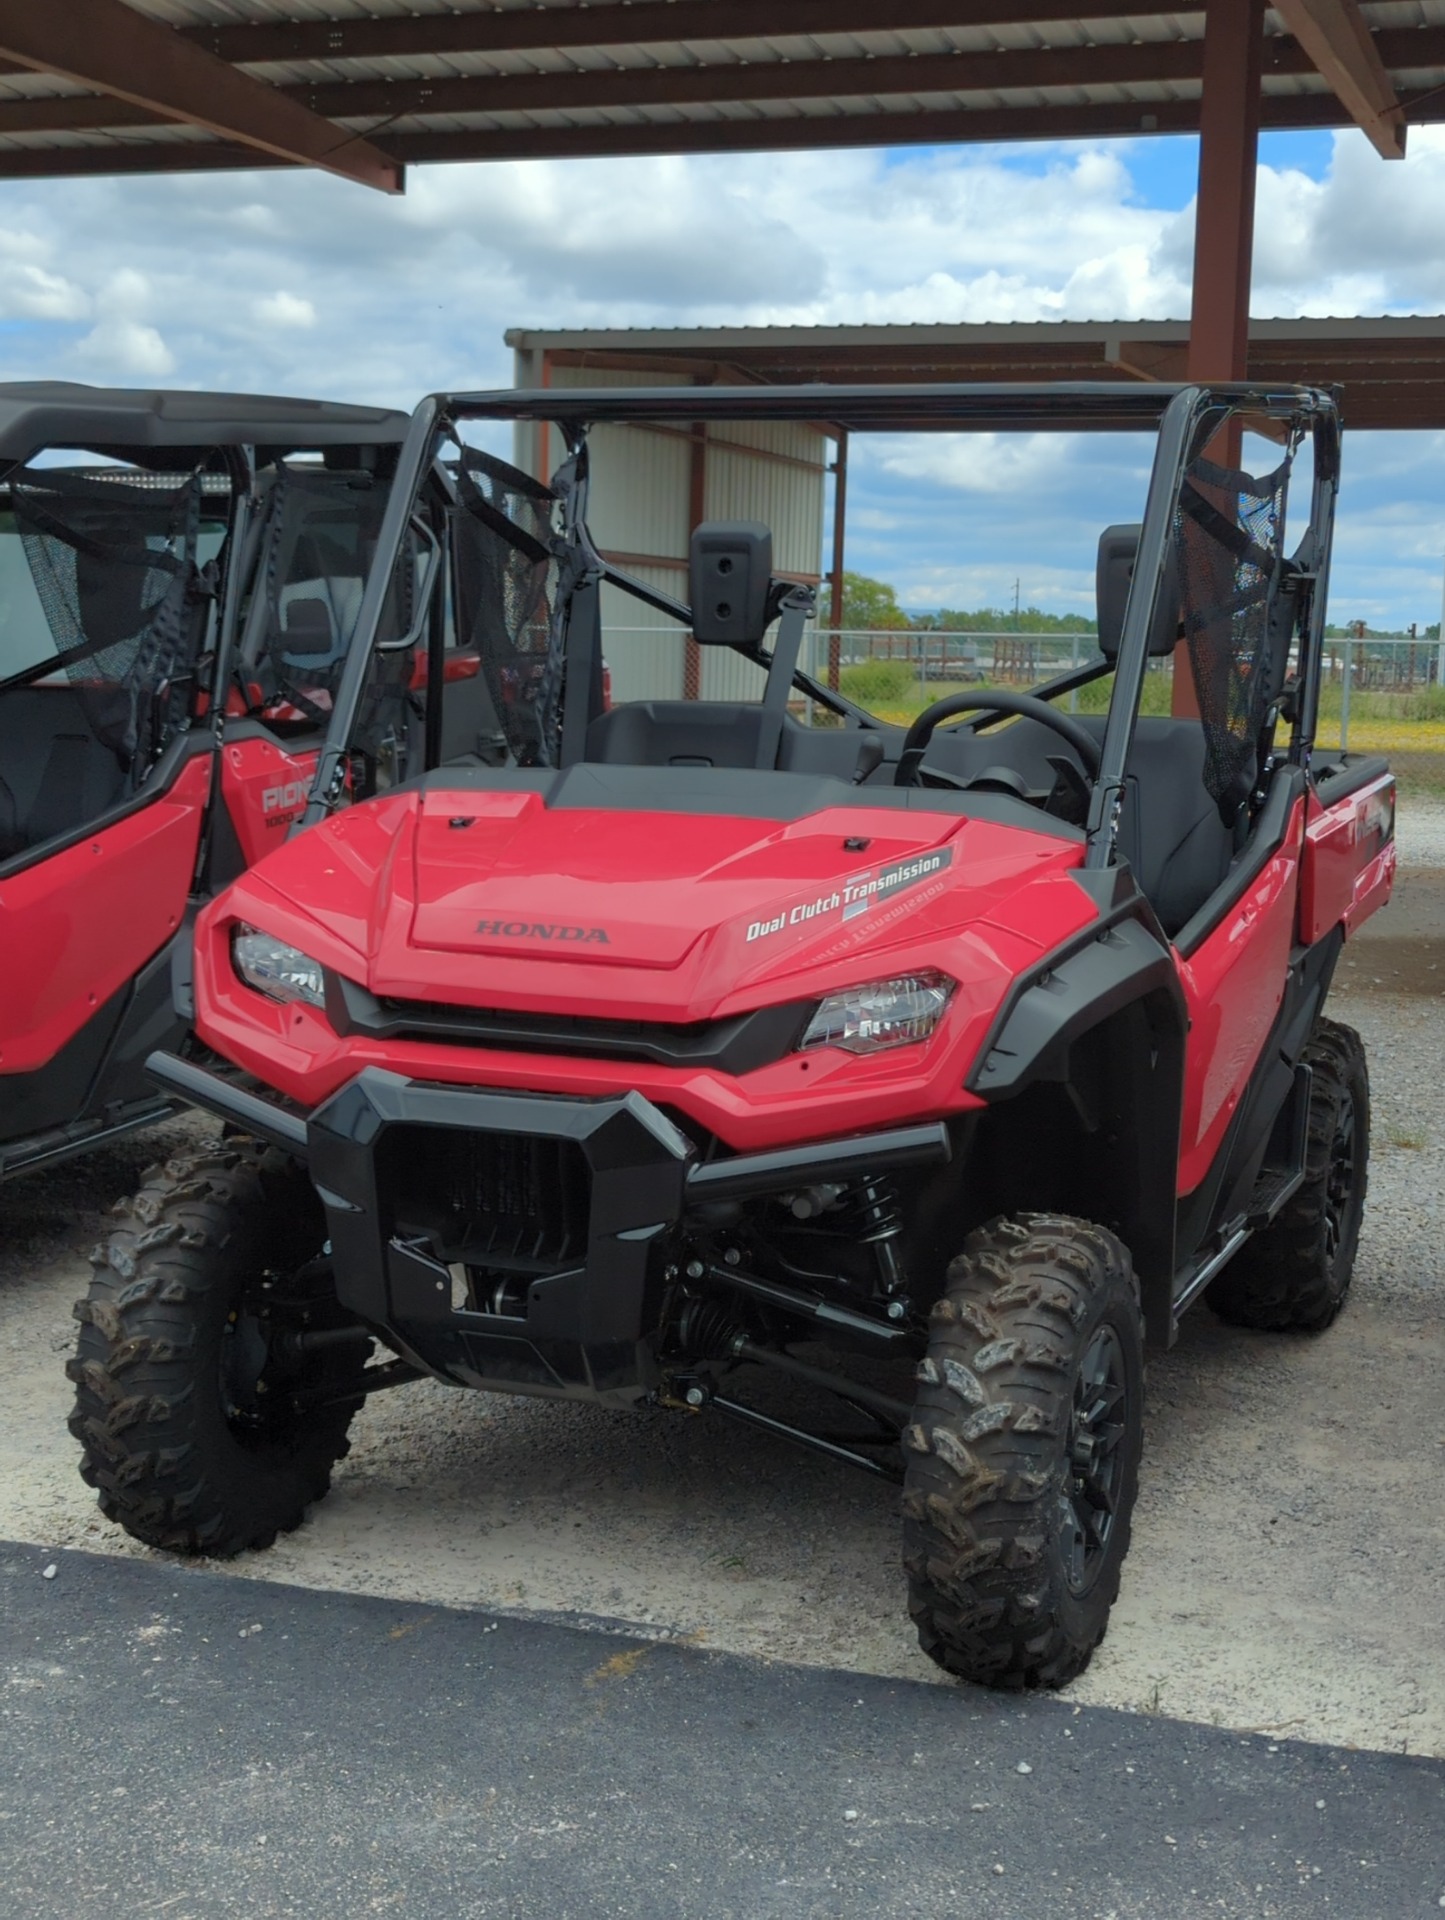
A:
(47, 1149)
(1276, 1183)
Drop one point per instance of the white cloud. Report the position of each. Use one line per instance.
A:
(973, 462)
(195, 279)
(282, 309)
(31, 293)
(129, 348)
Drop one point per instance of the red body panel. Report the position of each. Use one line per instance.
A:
(731, 914)
(80, 923)
(264, 790)
(1349, 860)
(492, 900)
(1234, 982)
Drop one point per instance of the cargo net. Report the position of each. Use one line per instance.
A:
(508, 596)
(321, 538)
(1228, 533)
(112, 557)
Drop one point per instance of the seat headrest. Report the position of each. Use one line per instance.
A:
(1118, 550)
(308, 626)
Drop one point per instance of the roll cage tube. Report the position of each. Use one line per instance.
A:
(1321, 536)
(1192, 418)
(418, 451)
(1186, 416)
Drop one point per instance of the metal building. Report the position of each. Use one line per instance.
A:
(1391, 370)
(653, 485)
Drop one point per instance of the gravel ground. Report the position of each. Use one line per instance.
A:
(1288, 1556)
(1420, 831)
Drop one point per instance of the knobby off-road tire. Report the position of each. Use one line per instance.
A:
(1022, 1462)
(184, 1396)
(1294, 1275)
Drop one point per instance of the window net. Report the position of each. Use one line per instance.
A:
(1229, 532)
(322, 530)
(508, 596)
(113, 560)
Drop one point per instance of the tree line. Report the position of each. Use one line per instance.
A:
(871, 606)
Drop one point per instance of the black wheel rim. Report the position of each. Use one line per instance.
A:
(245, 1362)
(1340, 1180)
(1096, 1457)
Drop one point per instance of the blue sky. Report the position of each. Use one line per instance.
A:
(301, 283)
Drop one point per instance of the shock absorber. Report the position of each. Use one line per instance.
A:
(874, 1205)
(708, 1329)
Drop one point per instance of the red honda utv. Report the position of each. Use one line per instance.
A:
(180, 574)
(710, 1040)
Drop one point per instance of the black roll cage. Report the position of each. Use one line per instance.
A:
(1187, 419)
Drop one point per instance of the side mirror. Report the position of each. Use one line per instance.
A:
(1118, 551)
(730, 570)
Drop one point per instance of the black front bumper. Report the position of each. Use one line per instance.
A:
(584, 1325)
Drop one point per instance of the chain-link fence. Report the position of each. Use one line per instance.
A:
(1377, 696)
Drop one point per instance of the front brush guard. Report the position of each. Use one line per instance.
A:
(586, 1330)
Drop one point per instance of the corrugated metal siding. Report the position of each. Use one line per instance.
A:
(641, 489)
(787, 498)
(639, 496)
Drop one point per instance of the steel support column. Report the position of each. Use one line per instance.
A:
(1224, 224)
(1224, 220)
(696, 514)
(840, 512)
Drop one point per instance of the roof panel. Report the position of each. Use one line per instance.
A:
(1391, 369)
(595, 77)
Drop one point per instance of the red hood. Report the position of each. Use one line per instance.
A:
(493, 899)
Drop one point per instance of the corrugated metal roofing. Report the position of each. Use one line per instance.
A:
(1391, 369)
(456, 79)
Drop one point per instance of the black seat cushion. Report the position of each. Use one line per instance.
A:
(721, 733)
(1170, 830)
(55, 775)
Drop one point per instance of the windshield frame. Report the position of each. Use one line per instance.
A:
(1186, 418)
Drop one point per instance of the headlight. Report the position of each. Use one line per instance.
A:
(275, 969)
(886, 1013)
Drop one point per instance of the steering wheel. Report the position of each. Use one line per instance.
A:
(1026, 705)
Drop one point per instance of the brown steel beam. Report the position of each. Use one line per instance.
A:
(516, 29)
(1335, 36)
(758, 134)
(1147, 360)
(696, 514)
(104, 44)
(924, 127)
(733, 81)
(1223, 228)
(840, 513)
(1224, 207)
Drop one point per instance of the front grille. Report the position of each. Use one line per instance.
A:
(737, 1044)
(507, 1201)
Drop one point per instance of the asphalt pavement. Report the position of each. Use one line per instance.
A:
(176, 1743)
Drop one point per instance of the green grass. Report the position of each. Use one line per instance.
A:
(1408, 728)
(1419, 776)
(1411, 1142)
(879, 683)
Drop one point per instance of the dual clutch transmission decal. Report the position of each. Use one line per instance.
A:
(852, 897)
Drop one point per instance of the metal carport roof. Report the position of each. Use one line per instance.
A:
(363, 87)
(1392, 369)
